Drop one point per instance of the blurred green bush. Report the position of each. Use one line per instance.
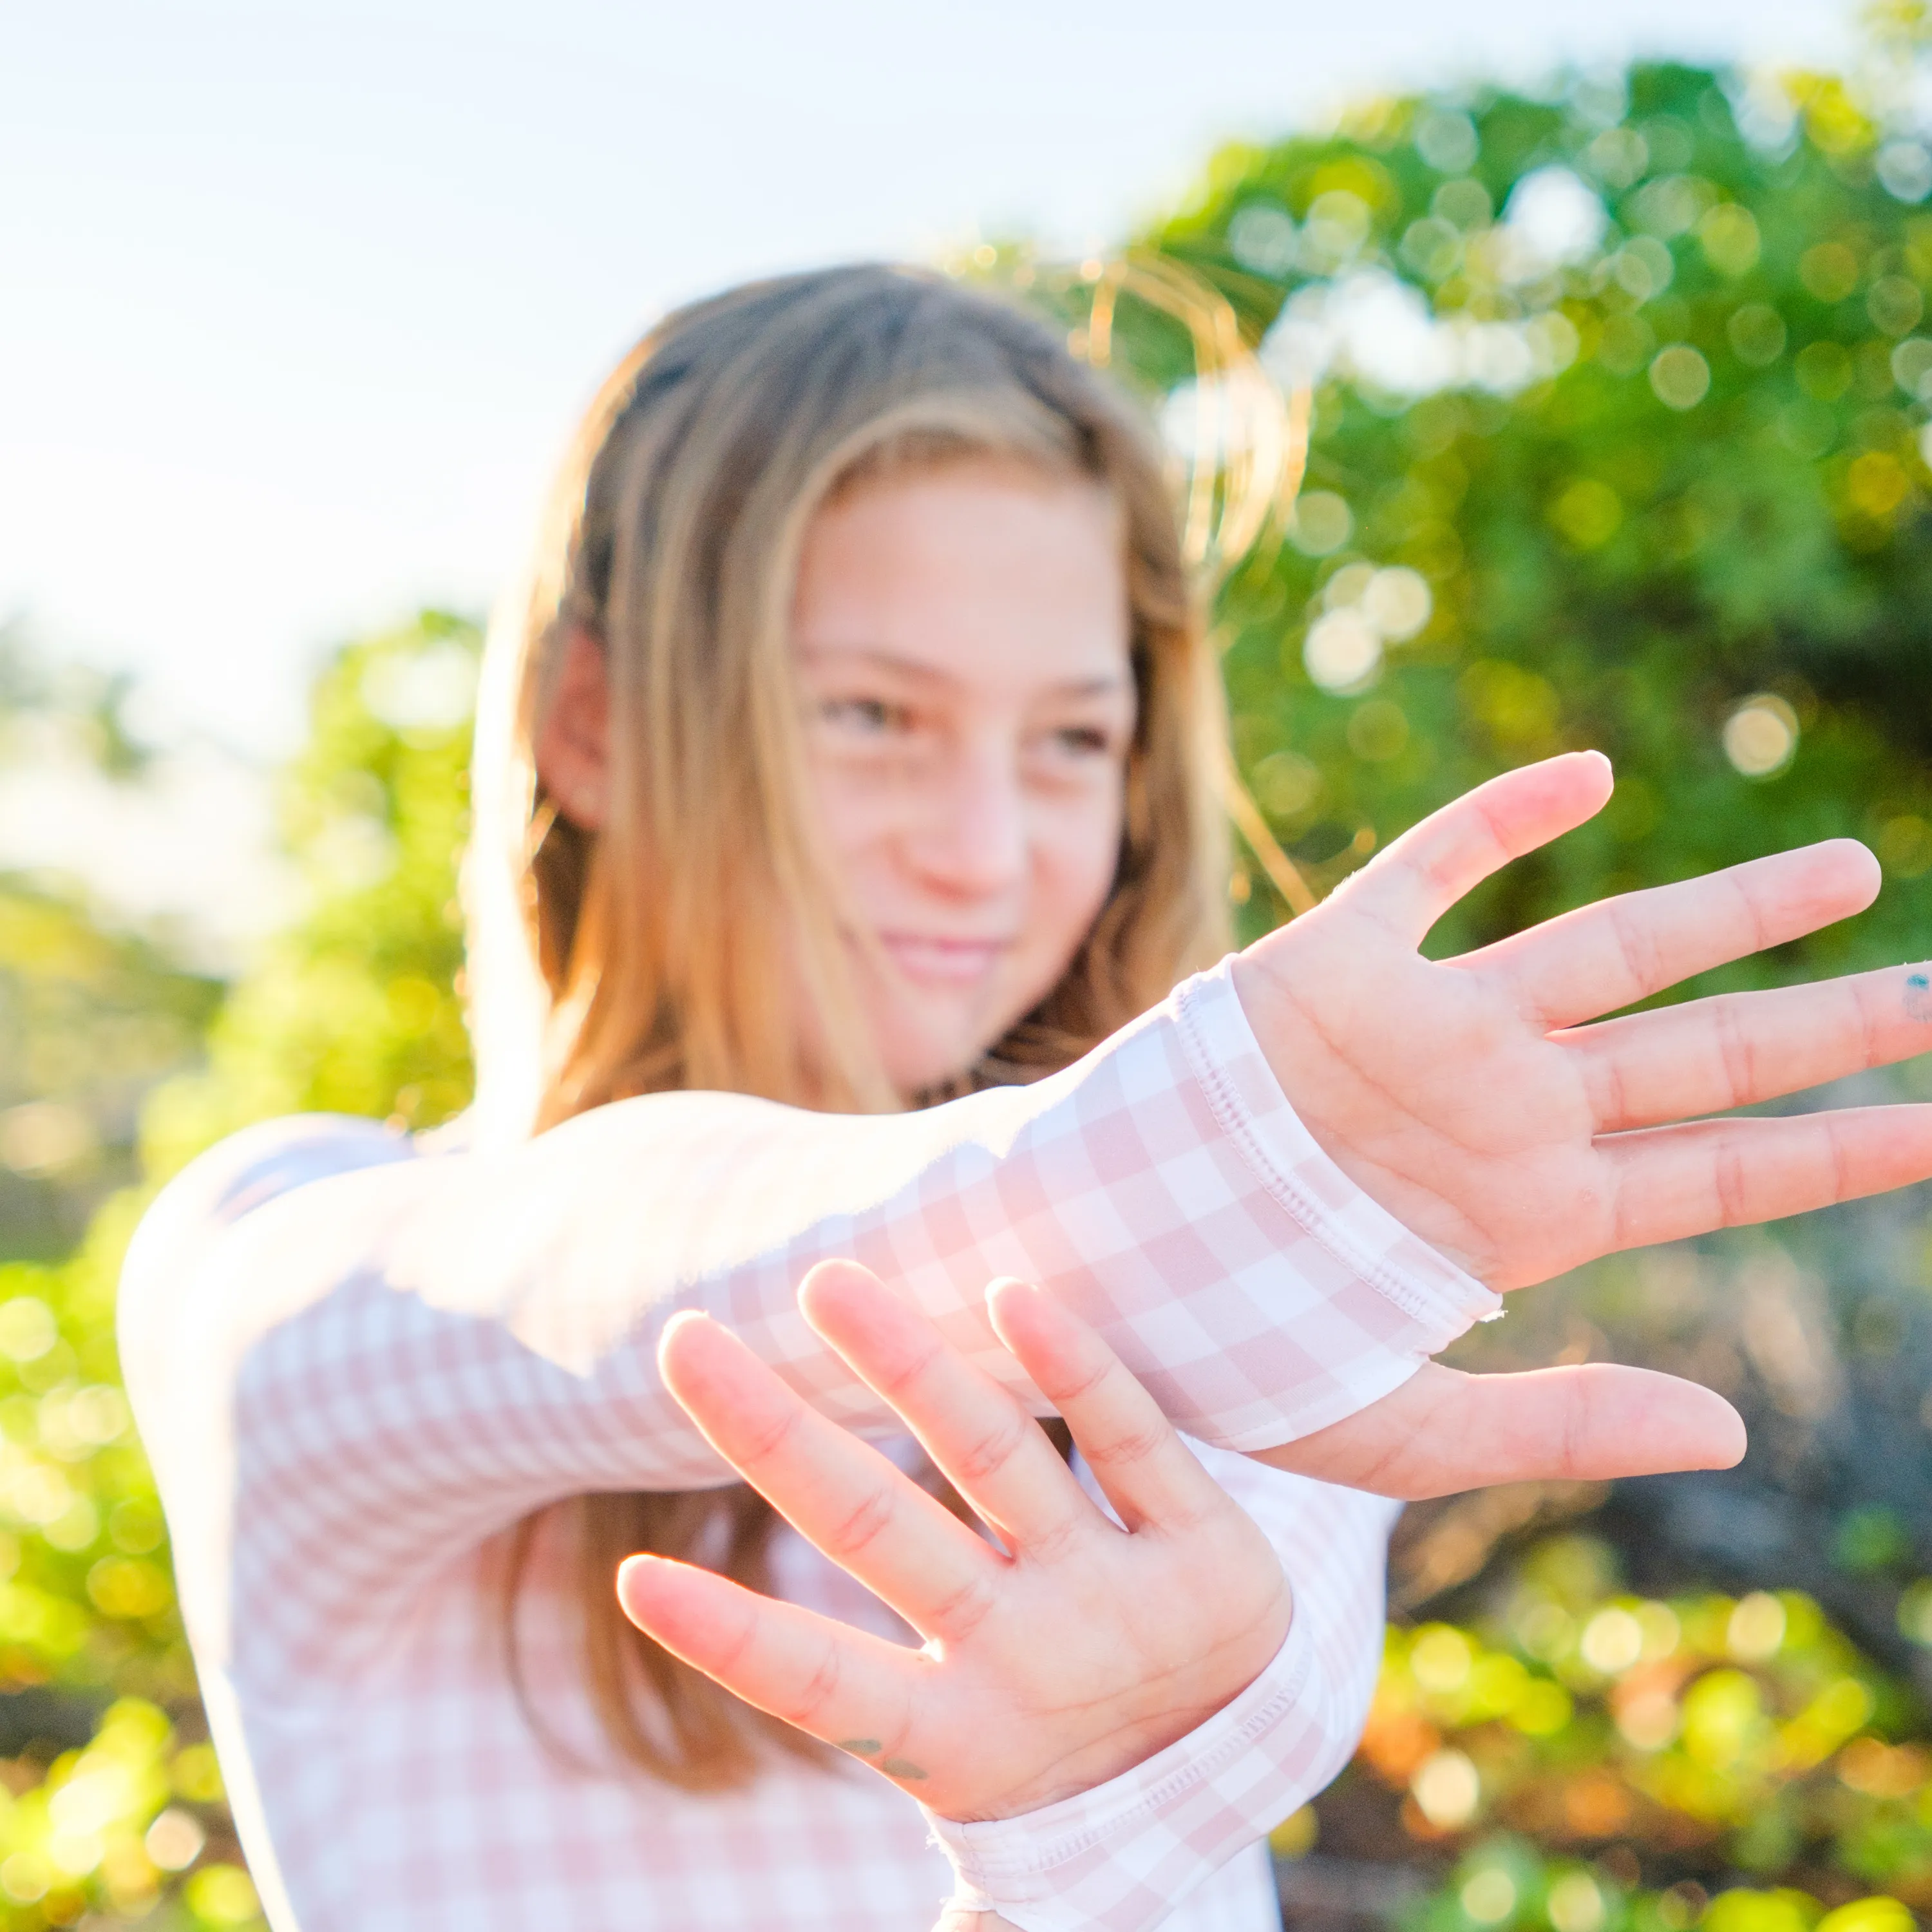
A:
(111, 1808)
(1619, 401)
(1573, 1755)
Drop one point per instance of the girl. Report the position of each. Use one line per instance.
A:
(845, 814)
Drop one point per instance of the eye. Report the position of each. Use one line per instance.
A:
(868, 717)
(1081, 746)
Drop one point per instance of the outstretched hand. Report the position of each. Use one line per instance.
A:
(1050, 1664)
(1470, 1098)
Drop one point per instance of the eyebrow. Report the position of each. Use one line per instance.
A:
(914, 671)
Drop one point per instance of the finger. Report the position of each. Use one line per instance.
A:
(843, 1686)
(990, 1449)
(1143, 1468)
(1670, 1182)
(838, 1493)
(1608, 954)
(1442, 1431)
(1739, 1049)
(1414, 881)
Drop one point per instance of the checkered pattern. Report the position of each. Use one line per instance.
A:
(356, 1369)
(1119, 1856)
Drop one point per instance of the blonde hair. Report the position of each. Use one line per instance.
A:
(666, 950)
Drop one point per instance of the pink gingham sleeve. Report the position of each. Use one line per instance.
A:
(381, 1368)
(1119, 1857)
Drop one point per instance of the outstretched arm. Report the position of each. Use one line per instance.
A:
(346, 1383)
(1474, 1099)
(1239, 1192)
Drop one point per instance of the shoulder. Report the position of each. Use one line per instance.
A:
(260, 1162)
(246, 1171)
(193, 1217)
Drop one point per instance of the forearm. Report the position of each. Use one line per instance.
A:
(424, 1352)
(1162, 1188)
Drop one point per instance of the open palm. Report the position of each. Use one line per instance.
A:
(1471, 1098)
(1077, 1647)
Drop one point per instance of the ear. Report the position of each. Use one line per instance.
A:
(573, 740)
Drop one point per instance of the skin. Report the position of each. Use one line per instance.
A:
(960, 639)
(1472, 1098)
(1184, 1597)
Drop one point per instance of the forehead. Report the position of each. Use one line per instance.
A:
(981, 572)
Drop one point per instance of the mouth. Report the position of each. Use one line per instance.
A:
(942, 962)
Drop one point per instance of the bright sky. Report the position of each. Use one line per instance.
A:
(301, 296)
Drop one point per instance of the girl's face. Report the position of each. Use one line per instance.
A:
(961, 640)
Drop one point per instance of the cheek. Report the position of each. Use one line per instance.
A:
(1076, 858)
(851, 816)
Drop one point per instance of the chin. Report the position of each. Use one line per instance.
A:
(919, 1058)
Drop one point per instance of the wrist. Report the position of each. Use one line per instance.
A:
(1122, 1854)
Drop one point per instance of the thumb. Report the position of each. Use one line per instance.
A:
(1444, 1431)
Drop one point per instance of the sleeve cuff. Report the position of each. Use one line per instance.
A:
(1432, 1299)
(1119, 1857)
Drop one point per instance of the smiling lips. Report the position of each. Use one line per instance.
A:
(949, 962)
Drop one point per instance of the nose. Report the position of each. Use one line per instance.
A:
(972, 838)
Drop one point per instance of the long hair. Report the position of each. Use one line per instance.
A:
(668, 950)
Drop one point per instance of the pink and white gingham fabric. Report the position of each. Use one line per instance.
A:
(1119, 1855)
(356, 1365)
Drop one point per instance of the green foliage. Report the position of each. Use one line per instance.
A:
(91, 1015)
(90, 1018)
(356, 1009)
(1576, 1757)
(110, 1800)
(1669, 499)
(107, 1783)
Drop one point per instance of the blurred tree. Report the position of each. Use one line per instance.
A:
(1619, 397)
(110, 1800)
(90, 1018)
(356, 1009)
(91, 1014)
